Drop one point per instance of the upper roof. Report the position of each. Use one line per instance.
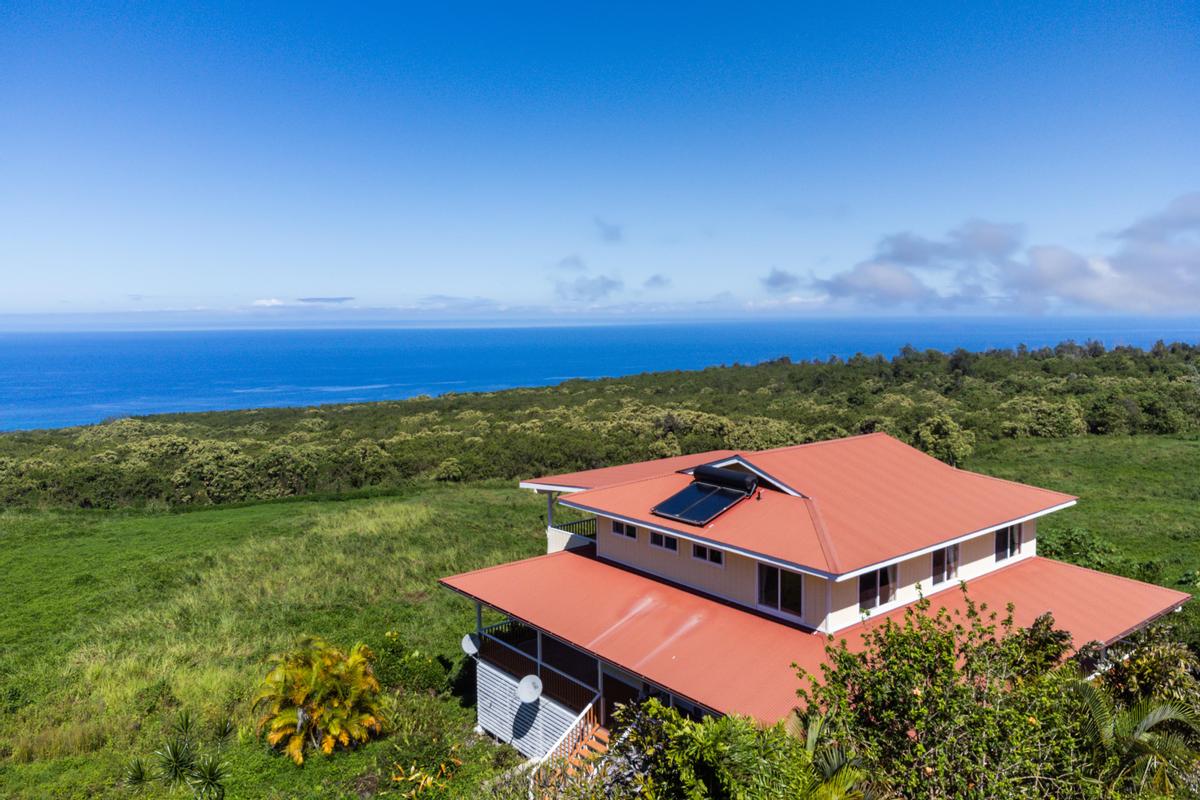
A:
(735, 661)
(607, 476)
(858, 501)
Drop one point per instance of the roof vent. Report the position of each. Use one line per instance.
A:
(712, 492)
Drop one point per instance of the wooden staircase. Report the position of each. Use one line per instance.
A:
(590, 748)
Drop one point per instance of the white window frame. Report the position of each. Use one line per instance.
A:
(665, 537)
(707, 557)
(1015, 541)
(778, 609)
(951, 574)
(894, 577)
(624, 530)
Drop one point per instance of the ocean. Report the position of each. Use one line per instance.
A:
(62, 379)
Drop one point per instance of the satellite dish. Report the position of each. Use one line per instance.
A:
(470, 644)
(529, 689)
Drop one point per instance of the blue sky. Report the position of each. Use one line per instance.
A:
(167, 165)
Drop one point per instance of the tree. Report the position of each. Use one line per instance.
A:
(944, 439)
(321, 696)
(957, 705)
(1137, 747)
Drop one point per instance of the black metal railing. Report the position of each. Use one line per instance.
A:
(579, 527)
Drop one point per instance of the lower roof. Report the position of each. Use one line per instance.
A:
(737, 662)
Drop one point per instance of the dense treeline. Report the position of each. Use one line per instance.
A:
(940, 402)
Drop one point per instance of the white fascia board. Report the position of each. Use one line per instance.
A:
(549, 487)
(957, 540)
(691, 537)
(760, 473)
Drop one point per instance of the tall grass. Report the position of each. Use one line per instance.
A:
(196, 637)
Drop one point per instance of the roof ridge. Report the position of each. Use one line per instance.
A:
(820, 442)
(832, 563)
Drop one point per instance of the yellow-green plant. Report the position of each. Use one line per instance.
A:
(321, 696)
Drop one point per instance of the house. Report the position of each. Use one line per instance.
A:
(701, 579)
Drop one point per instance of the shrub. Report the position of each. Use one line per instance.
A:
(397, 667)
(319, 695)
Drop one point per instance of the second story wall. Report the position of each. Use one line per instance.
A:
(914, 576)
(736, 579)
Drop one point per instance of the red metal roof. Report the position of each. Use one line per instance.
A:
(607, 476)
(735, 661)
(866, 500)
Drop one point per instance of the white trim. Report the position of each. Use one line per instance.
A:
(777, 562)
(663, 546)
(760, 473)
(706, 560)
(867, 616)
(894, 580)
(816, 573)
(845, 576)
(957, 561)
(781, 612)
(550, 487)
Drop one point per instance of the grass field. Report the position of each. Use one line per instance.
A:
(112, 622)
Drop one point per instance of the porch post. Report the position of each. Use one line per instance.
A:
(828, 604)
(478, 617)
(539, 652)
(550, 508)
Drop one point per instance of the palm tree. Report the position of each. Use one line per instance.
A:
(1137, 744)
(835, 772)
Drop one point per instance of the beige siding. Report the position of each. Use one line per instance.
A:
(737, 580)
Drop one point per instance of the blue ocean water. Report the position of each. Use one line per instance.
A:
(61, 379)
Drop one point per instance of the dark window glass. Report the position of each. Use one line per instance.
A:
(1002, 544)
(656, 539)
(700, 551)
(887, 584)
(868, 590)
(768, 586)
(791, 592)
(939, 566)
(671, 543)
(716, 556)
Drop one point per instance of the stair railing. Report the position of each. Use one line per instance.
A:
(561, 750)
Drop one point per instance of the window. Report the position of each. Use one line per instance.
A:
(1008, 542)
(709, 554)
(781, 589)
(945, 564)
(624, 529)
(665, 542)
(877, 587)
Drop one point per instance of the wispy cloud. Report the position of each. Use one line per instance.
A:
(325, 300)
(588, 289)
(609, 232)
(656, 281)
(571, 263)
(779, 281)
(268, 302)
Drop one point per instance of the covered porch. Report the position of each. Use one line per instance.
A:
(570, 676)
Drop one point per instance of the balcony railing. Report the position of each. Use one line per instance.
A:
(579, 527)
(512, 647)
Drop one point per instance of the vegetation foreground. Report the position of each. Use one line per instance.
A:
(117, 622)
(153, 568)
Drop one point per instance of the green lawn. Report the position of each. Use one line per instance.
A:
(112, 622)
